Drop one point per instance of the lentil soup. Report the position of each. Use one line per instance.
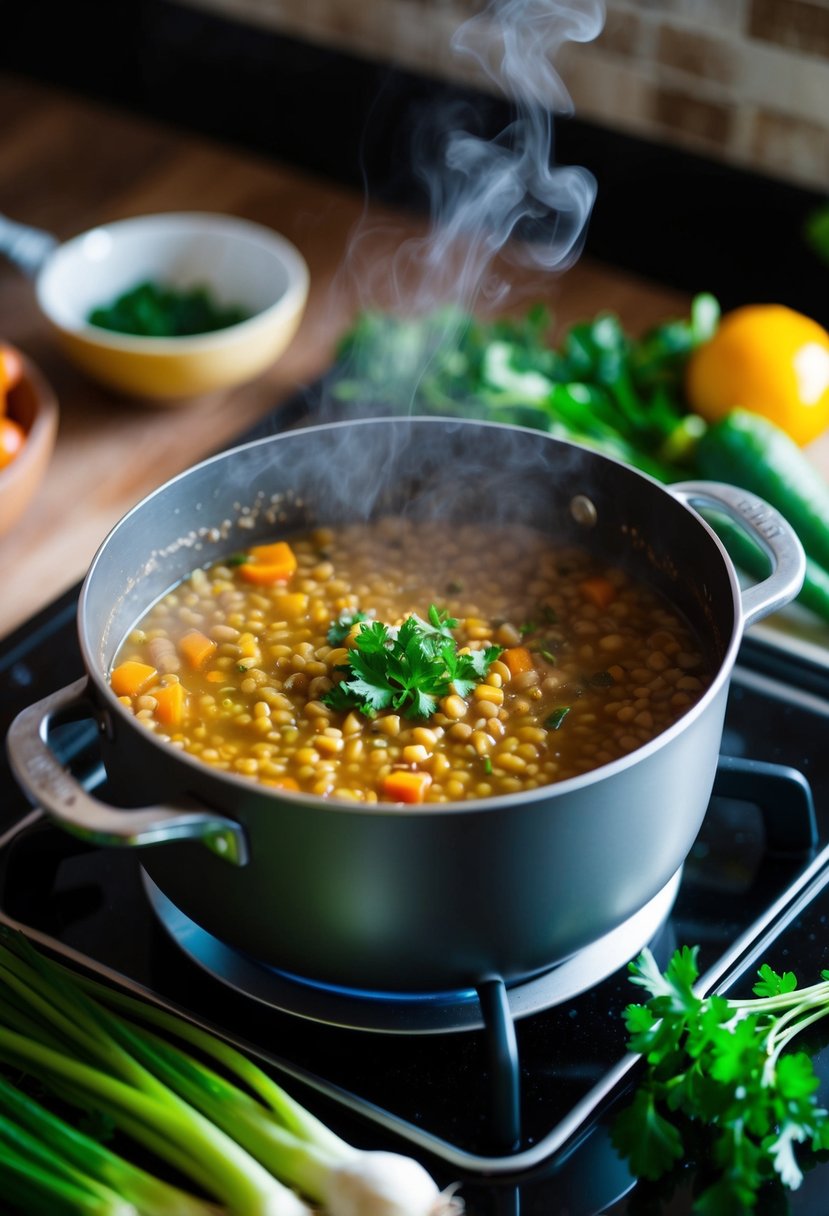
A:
(519, 662)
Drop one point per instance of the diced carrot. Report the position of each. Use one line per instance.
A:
(196, 648)
(600, 591)
(518, 659)
(171, 704)
(129, 678)
(216, 677)
(269, 563)
(403, 785)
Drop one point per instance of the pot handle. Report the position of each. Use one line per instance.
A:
(48, 784)
(768, 528)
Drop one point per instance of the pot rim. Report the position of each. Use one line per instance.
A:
(469, 806)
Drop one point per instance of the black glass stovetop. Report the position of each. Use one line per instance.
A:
(752, 890)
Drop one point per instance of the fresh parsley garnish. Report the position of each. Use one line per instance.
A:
(341, 628)
(407, 669)
(556, 718)
(716, 1065)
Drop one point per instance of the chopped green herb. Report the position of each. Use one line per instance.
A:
(557, 717)
(237, 559)
(528, 628)
(716, 1066)
(154, 310)
(549, 615)
(487, 765)
(408, 669)
(548, 657)
(440, 622)
(341, 628)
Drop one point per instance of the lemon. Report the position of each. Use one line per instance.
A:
(769, 359)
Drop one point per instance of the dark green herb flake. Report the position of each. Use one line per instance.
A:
(154, 310)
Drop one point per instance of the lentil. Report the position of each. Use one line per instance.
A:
(274, 663)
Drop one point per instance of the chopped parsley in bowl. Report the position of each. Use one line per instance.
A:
(156, 310)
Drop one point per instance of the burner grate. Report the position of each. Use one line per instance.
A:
(405, 1013)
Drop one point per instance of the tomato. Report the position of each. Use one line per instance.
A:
(769, 359)
(12, 438)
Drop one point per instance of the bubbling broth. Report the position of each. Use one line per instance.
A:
(405, 661)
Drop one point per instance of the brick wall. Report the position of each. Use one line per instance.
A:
(742, 81)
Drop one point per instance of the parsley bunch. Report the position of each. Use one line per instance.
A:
(719, 1063)
(407, 669)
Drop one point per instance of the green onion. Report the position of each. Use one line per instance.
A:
(69, 1171)
(188, 1096)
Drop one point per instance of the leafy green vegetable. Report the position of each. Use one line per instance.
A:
(599, 387)
(408, 669)
(717, 1065)
(556, 718)
(154, 310)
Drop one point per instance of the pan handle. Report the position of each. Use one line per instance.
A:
(774, 535)
(48, 784)
(26, 247)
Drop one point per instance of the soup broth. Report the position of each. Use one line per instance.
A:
(406, 661)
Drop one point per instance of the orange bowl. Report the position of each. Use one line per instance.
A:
(32, 404)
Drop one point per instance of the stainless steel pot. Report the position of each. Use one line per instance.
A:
(389, 897)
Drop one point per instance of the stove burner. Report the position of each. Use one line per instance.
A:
(409, 1013)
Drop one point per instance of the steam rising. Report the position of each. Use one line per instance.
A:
(492, 190)
(483, 192)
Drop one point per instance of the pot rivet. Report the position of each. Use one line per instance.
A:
(583, 510)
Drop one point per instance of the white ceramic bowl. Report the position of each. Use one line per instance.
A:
(239, 262)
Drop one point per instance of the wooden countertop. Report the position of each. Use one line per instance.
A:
(67, 164)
